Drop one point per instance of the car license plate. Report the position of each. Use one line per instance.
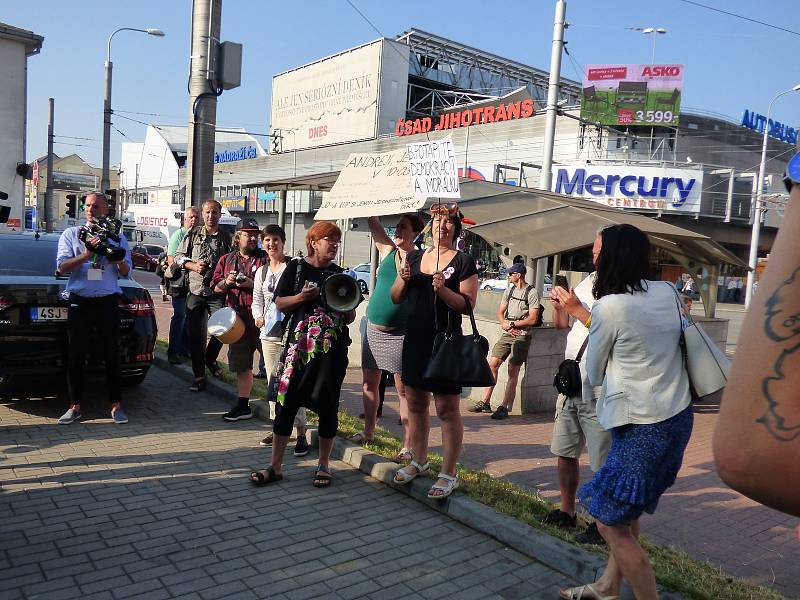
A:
(48, 313)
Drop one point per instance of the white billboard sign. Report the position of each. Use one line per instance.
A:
(331, 101)
(631, 187)
(371, 184)
(434, 169)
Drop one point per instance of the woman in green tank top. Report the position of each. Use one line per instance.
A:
(382, 342)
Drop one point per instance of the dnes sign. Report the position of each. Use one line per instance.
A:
(625, 186)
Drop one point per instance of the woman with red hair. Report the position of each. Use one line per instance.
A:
(315, 362)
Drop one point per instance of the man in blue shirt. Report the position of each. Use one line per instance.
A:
(94, 290)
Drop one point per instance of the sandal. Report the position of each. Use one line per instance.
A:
(198, 385)
(322, 477)
(584, 592)
(266, 476)
(215, 370)
(360, 438)
(405, 455)
(450, 485)
(403, 475)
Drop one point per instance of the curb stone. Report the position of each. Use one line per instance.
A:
(552, 552)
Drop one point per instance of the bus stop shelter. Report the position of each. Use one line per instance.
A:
(537, 224)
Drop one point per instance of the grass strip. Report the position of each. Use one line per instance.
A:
(674, 568)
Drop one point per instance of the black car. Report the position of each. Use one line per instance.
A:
(33, 315)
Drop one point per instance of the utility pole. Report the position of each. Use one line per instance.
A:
(108, 70)
(203, 92)
(49, 209)
(551, 115)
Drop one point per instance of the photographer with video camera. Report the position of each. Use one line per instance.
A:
(233, 277)
(95, 256)
(198, 254)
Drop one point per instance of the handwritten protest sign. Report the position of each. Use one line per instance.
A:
(371, 184)
(434, 169)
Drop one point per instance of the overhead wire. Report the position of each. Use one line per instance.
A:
(738, 16)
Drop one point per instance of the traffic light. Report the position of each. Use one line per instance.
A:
(111, 196)
(25, 170)
(72, 206)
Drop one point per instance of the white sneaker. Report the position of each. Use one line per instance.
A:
(70, 416)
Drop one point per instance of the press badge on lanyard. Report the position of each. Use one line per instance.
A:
(95, 272)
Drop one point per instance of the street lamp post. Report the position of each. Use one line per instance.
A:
(759, 205)
(655, 32)
(109, 66)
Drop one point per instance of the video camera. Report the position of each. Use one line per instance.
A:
(106, 228)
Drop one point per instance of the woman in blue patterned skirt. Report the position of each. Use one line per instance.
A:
(634, 352)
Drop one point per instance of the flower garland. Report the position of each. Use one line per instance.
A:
(313, 335)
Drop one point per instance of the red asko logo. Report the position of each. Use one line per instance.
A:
(661, 71)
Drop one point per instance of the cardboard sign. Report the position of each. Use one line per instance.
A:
(371, 184)
(434, 169)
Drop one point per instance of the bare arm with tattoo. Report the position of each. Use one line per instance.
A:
(757, 439)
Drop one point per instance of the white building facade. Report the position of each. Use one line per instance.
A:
(16, 45)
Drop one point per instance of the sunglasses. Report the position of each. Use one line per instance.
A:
(444, 209)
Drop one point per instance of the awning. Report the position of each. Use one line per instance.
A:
(535, 223)
(318, 182)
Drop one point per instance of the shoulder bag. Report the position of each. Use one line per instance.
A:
(706, 364)
(282, 330)
(458, 359)
(568, 377)
(273, 318)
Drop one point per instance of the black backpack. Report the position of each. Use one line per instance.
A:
(540, 315)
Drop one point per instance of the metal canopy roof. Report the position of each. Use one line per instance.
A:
(535, 223)
(322, 182)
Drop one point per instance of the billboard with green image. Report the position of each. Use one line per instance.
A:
(632, 94)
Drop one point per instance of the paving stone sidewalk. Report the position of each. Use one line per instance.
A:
(162, 508)
(699, 514)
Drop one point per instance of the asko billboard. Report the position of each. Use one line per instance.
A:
(632, 94)
(635, 188)
(340, 98)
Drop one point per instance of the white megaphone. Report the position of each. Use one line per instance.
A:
(340, 293)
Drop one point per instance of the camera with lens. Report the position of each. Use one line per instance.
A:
(240, 277)
(105, 228)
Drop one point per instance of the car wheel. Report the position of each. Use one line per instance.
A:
(151, 267)
(362, 285)
(486, 288)
(133, 380)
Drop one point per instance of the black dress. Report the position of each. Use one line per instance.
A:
(315, 385)
(422, 325)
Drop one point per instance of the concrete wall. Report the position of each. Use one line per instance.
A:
(535, 391)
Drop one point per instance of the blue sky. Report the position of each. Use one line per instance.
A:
(730, 64)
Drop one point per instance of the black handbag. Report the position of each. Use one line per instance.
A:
(283, 329)
(460, 360)
(568, 377)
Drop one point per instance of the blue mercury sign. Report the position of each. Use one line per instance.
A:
(779, 131)
(636, 188)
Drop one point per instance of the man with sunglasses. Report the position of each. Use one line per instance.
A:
(518, 313)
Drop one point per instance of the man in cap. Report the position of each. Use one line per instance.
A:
(518, 313)
(233, 277)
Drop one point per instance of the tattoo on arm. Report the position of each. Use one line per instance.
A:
(782, 325)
